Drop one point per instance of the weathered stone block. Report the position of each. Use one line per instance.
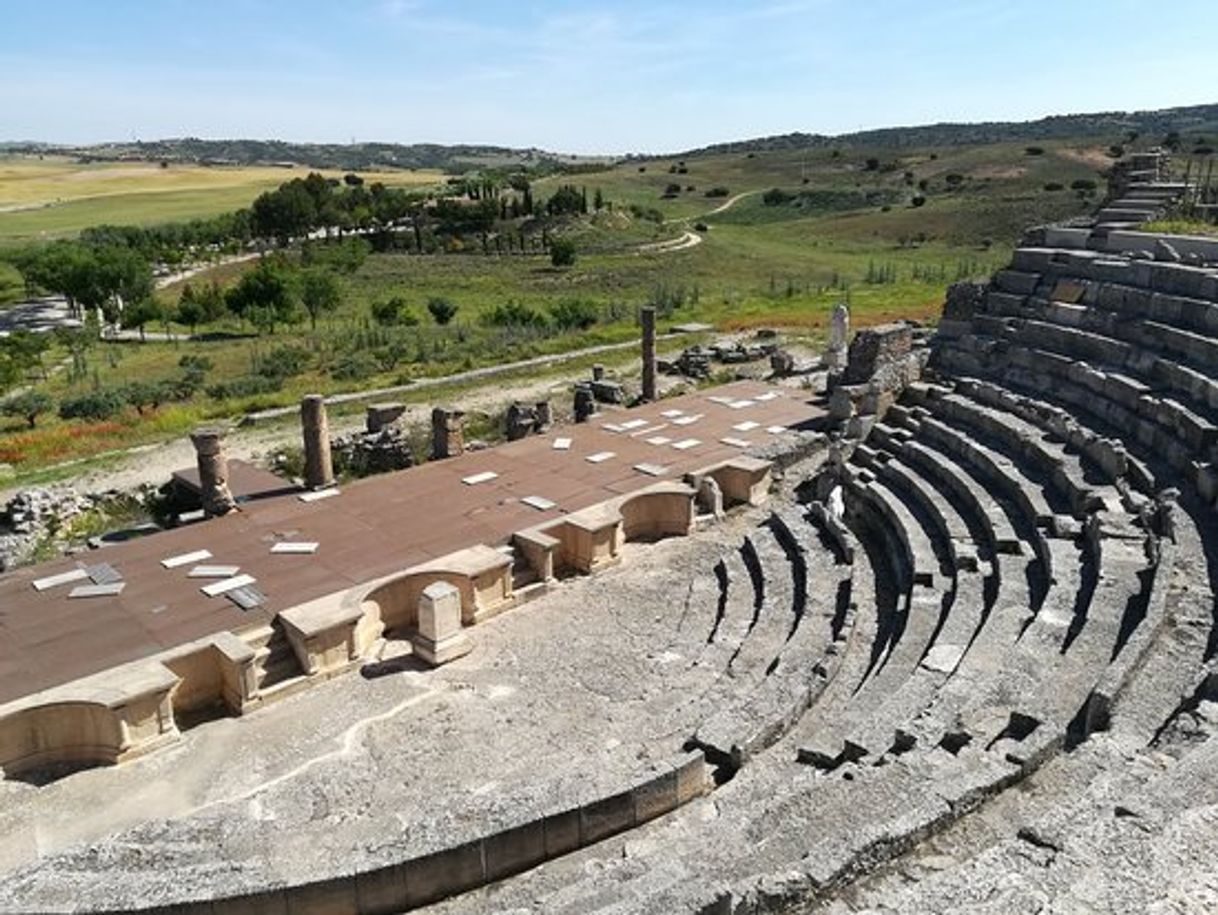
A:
(445, 873)
(562, 832)
(514, 850)
(326, 897)
(875, 347)
(267, 902)
(655, 797)
(382, 891)
(440, 638)
(606, 817)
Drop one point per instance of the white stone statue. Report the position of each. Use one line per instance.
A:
(837, 504)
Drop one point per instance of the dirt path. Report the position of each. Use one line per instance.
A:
(190, 272)
(686, 241)
(730, 202)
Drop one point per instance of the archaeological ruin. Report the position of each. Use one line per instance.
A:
(928, 627)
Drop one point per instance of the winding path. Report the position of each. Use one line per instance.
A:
(690, 239)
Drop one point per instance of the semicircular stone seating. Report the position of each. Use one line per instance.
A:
(1029, 556)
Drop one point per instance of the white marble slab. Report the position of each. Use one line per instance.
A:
(634, 424)
(185, 559)
(319, 495)
(686, 444)
(562, 444)
(652, 470)
(736, 442)
(485, 477)
(540, 503)
(219, 587)
(107, 590)
(768, 395)
(670, 414)
(213, 571)
(741, 404)
(746, 426)
(776, 430)
(63, 578)
(600, 457)
(659, 440)
(687, 420)
(648, 430)
(295, 547)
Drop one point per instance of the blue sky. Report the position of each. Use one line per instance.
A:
(592, 77)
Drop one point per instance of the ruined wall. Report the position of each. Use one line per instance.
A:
(881, 363)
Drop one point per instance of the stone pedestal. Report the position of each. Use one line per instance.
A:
(647, 318)
(213, 471)
(598, 372)
(380, 415)
(544, 415)
(319, 468)
(440, 638)
(447, 433)
(585, 403)
(710, 497)
(521, 420)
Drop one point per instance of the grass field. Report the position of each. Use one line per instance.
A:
(52, 197)
(847, 230)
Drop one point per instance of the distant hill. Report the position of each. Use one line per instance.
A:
(353, 156)
(1110, 125)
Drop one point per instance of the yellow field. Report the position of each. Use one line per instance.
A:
(50, 197)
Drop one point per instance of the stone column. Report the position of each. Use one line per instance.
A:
(647, 317)
(598, 372)
(213, 471)
(319, 469)
(447, 433)
(585, 403)
(839, 337)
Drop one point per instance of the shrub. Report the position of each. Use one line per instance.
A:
(562, 252)
(104, 403)
(918, 200)
(671, 190)
(776, 196)
(28, 405)
(192, 362)
(284, 362)
(1203, 151)
(719, 191)
(1083, 184)
(574, 314)
(144, 395)
(1053, 186)
(354, 367)
(393, 312)
(441, 310)
(872, 165)
(249, 386)
(954, 179)
(1115, 151)
(513, 315)
(1034, 150)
